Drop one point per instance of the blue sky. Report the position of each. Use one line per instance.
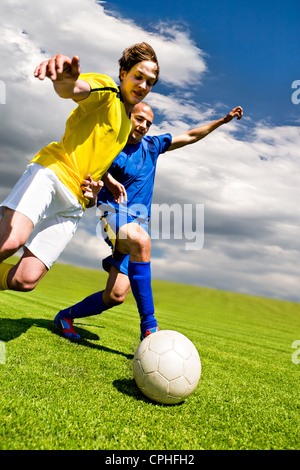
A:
(213, 55)
(252, 49)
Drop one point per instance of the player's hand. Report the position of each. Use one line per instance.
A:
(235, 112)
(90, 189)
(59, 68)
(117, 189)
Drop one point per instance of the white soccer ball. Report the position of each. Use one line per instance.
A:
(166, 367)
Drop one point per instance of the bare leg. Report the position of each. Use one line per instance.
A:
(15, 229)
(117, 288)
(135, 241)
(27, 273)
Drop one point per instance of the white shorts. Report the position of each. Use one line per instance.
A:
(53, 209)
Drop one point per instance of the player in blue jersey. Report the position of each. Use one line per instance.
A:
(131, 177)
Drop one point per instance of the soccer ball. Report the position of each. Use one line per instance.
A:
(166, 367)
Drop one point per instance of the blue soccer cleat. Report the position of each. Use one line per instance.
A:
(66, 326)
(149, 332)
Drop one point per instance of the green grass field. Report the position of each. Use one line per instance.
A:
(55, 394)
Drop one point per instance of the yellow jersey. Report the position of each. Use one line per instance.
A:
(96, 131)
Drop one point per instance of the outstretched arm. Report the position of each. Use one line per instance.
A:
(64, 73)
(193, 135)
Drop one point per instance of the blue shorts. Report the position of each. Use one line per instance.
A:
(117, 260)
(110, 224)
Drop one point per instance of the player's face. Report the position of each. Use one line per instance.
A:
(137, 82)
(141, 118)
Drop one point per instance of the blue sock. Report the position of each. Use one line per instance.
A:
(140, 280)
(91, 305)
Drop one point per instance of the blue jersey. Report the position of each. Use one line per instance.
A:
(135, 168)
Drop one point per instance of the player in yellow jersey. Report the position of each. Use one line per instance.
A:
(43, 210)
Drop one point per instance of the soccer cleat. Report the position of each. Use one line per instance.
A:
(149, 332)
(66, 326)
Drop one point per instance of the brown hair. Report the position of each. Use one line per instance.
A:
(137, 53)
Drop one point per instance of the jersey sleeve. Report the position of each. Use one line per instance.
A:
(158, 144)
(163, 142)
(102, 87)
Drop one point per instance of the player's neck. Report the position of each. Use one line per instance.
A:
(132, 141)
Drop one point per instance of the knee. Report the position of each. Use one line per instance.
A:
(12, 244)
(116, 298)
(141, 243)
(144, 241)
(22, 285)
(135, 241)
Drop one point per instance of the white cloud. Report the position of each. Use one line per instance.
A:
(251, 204)
(84, 28)
(249, 185)
(174, 109)
(33, 116)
